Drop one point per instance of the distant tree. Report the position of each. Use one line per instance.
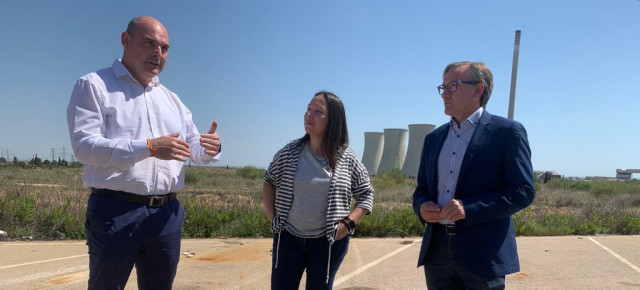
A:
(36, 161)
(15, 161)
(2, 160)
(62, 162)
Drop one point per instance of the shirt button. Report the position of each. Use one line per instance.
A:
(451, 171)
(454, 153)
(448, 191)
(458, 136)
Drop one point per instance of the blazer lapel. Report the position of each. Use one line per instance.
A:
(478, 140)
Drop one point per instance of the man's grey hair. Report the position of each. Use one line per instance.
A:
(478, 72)
(133, 24)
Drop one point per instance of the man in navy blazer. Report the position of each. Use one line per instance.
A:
(475, 172)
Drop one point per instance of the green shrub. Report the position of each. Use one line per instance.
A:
(389, 179)
(250, 172)
(630, 225)
(191, 177)
(390, 222)
(585, 221)
(569, 184)
(598, 187)
(227, 203)
(209, 221)
(41, 218)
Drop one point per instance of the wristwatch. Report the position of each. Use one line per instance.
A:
(350, 224)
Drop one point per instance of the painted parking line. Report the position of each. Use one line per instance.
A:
(43, 244)
(376, 262)
(43, 261)
(631, 265)
(42, 275)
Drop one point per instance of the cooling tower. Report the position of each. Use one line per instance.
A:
(395, 144)
(417, 132)
(373, 144)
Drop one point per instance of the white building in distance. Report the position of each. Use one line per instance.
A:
(417, 132)
(395, 148)
(373, 144)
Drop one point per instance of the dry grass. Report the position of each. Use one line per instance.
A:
(566, 211)
(51, 204)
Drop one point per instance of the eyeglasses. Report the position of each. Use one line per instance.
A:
(314, 113)
(453, 86)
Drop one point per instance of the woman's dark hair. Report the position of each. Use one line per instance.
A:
(336, 135)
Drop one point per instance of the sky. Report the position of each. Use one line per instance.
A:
(254, 66)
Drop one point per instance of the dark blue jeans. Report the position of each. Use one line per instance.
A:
(121, 234)
(295, 254)
(444, 270)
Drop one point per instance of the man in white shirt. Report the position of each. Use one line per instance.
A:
(133, 135)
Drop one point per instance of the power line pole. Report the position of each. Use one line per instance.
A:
(53, 154)
(63, 153)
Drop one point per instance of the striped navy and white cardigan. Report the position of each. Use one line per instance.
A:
(350, 180)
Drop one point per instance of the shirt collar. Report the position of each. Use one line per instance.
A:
(120, 70)
(475, 117)
(471, 120)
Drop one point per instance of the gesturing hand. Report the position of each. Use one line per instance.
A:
(430, 212)
(170, 147)
(211, 141)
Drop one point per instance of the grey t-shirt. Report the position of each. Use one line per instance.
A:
(308, 214)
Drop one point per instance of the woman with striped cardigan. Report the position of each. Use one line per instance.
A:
(307, 193)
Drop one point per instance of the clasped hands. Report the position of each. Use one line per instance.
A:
(170, 147)
(452, 210)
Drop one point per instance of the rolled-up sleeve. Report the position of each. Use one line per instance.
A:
(361, 187)
(86, 124)
(276, 168)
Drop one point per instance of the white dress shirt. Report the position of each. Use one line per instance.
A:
(451, 156)
(111, 116)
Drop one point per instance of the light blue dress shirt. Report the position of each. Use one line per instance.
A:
(451, 155)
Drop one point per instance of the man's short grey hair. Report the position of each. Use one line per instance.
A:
(134, 23)
(478, 72)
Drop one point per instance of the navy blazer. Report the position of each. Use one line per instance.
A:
(495, 181)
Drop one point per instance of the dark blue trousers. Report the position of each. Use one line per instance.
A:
(296, 254)
(444, 270)
(121, 234)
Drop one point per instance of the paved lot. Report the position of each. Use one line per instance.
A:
(572, 262)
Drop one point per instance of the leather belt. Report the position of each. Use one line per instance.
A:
(445, 229)
(150, 200)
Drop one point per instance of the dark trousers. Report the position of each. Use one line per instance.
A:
(444, 270)
(121, 234)
(296, 254)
